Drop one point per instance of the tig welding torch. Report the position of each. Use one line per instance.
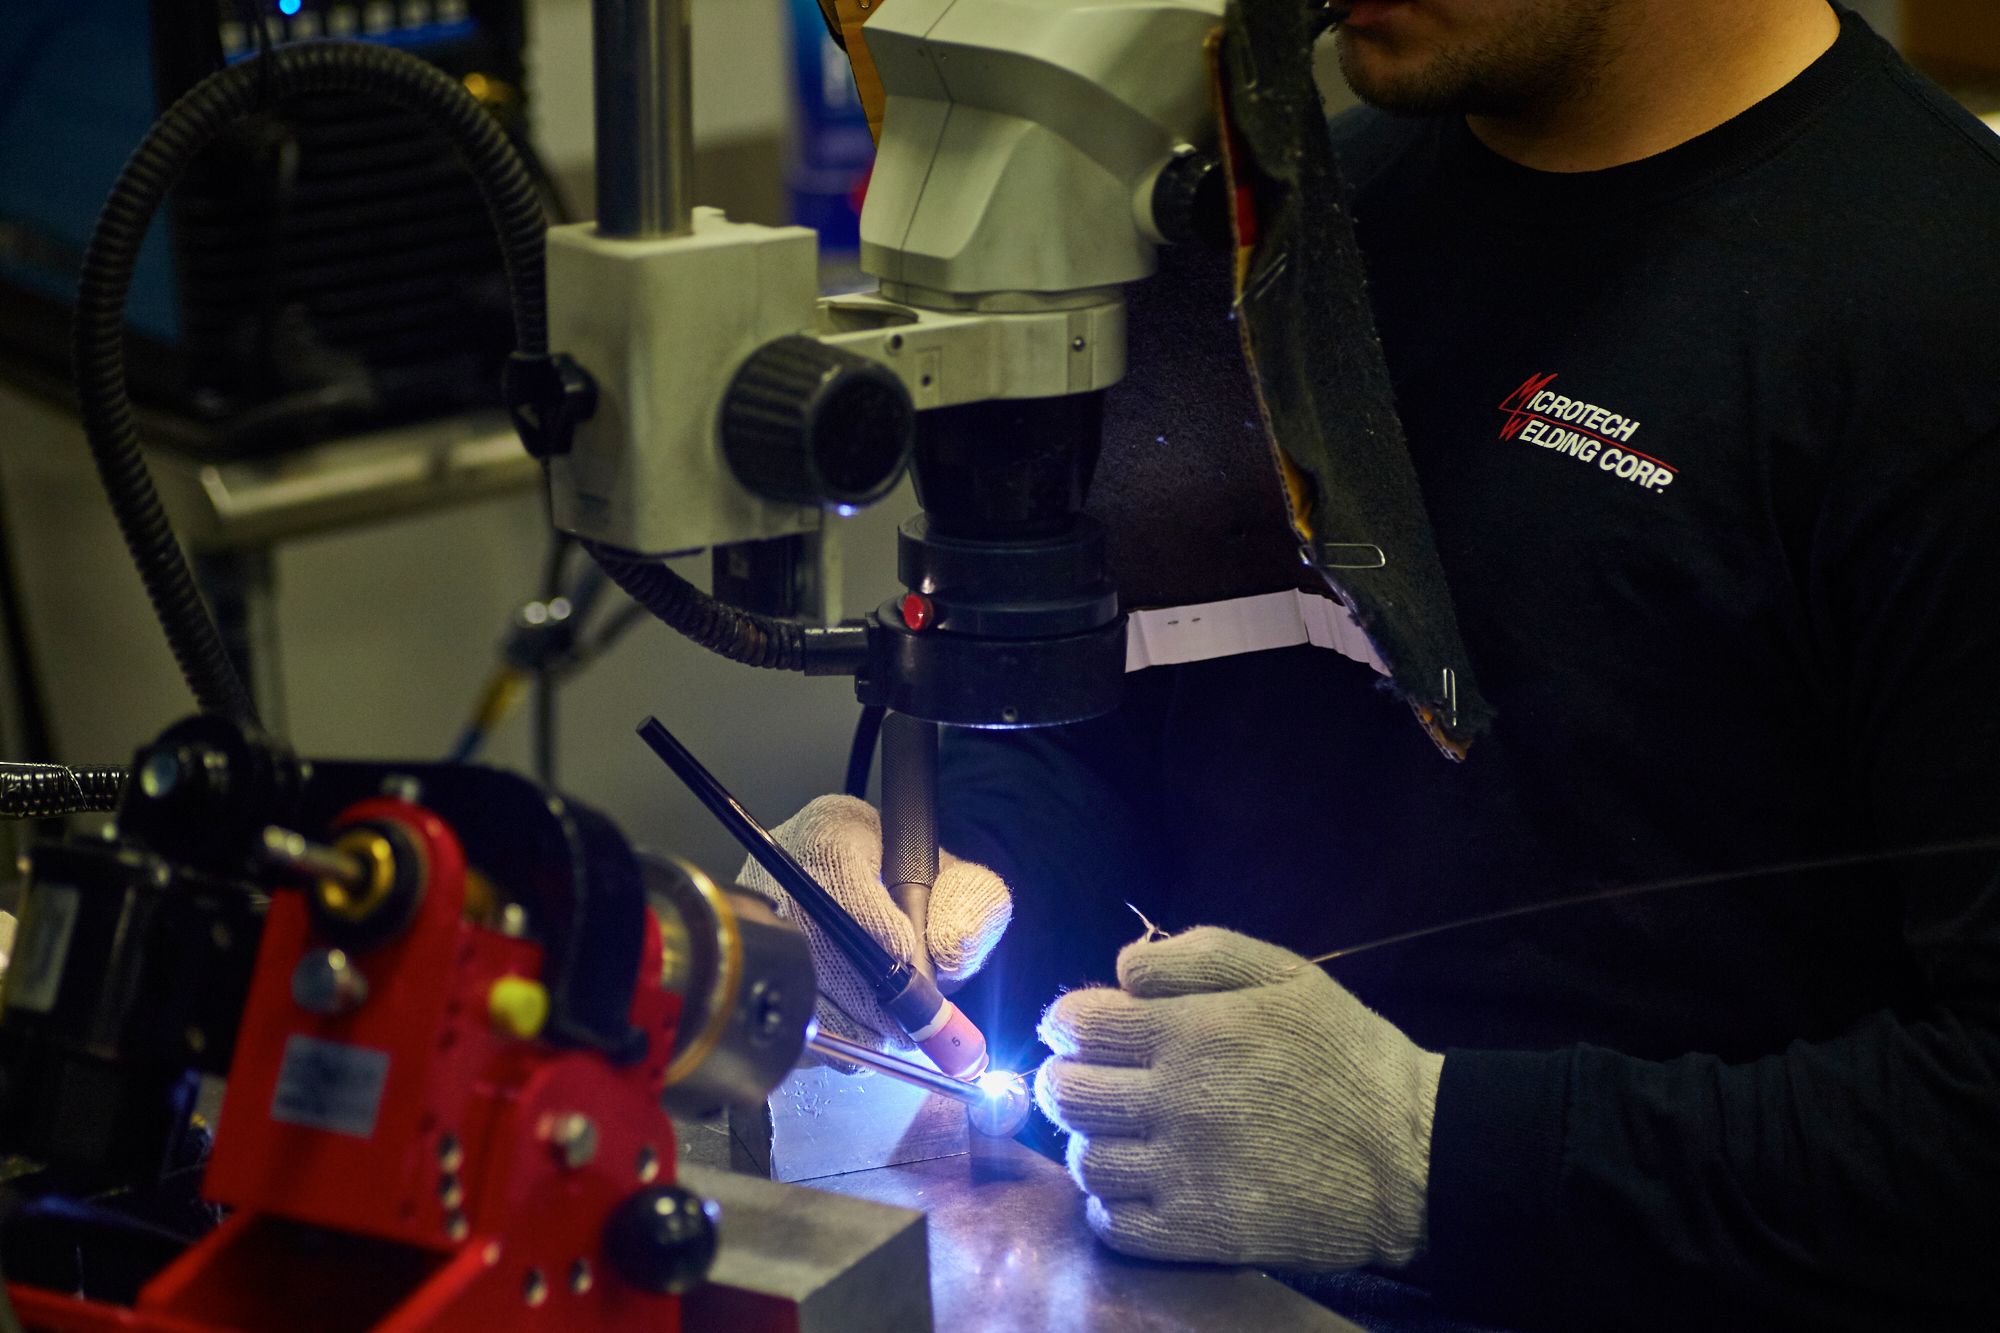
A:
(938, 1027)
(996, 1103)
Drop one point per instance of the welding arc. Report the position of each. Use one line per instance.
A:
(860, 948)
(1810, 866)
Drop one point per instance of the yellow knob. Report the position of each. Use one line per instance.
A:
(518, 1007)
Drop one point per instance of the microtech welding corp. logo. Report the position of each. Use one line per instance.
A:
(1538, 415)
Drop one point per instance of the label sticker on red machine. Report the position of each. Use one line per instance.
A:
(330, 1085)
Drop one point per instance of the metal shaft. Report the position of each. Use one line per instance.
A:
(839, 1048)
(299, 856)
(909, 822)
(645, 117)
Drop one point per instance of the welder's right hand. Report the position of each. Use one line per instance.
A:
(838, 840)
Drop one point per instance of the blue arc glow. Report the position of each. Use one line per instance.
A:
(289, 7)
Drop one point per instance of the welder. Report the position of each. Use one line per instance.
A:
(1762, 247)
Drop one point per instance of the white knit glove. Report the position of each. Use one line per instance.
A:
(838, 840)
(1232, 1103)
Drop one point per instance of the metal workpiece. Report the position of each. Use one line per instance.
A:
(642, 64)
(1008, 1248)
(746, 984)
(808, 1261)
(825, 1122)
(909, 823)
(1011, 1253)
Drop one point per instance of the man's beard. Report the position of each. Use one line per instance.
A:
(1548, 57)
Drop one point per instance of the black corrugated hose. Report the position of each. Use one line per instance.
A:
(741, 636)
(188, 126)
(45, 791)
(514, 206)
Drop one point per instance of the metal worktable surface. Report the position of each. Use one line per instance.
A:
(1010, 1253)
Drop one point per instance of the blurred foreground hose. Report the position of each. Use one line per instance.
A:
(43, 791)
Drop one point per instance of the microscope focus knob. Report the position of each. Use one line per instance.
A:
(662, 1239)
(808, 424)
(1191, 201)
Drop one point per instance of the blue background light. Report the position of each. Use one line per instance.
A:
(289, 6)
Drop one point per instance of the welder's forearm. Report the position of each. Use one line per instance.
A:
(1843, 1184)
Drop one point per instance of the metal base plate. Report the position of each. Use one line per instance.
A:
(808, 1262)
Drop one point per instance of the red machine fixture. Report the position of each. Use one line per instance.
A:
(408, 1142)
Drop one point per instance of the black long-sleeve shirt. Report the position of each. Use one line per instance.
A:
(1711, 447)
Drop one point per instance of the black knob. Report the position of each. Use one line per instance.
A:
(662, 1239)
(204, 791)
(805, 423)
(1191, 201)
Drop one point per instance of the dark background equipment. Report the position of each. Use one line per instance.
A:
(323, 267)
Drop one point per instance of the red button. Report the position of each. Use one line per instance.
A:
(917, 611)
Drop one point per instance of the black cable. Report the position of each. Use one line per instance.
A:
(554, 198)
(616, 627)
(190, 125)
(554, 563)
(10, 1318)
(741, 636)
(30, 695)
(861, 751)
(259, 22)
(89, 1213)
(283, 149)
(46, 791)
(545, 728)
(557, 206)
(544, 722)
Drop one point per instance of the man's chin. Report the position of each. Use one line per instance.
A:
(1400, 86)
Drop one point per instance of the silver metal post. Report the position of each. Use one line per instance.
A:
(294, 854)
(909, 822)
(645, 117)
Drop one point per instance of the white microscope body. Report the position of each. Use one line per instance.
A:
(1013, 196)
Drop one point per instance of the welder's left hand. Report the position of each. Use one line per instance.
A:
(838, 841)
(1232, 1103)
